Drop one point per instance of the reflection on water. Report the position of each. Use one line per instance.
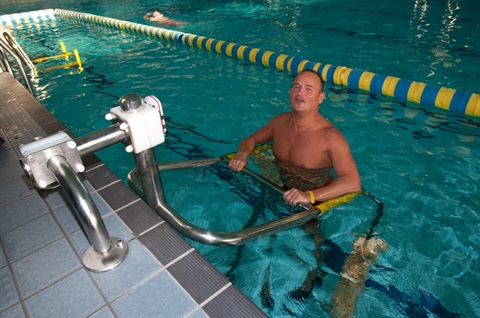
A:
(354, 274)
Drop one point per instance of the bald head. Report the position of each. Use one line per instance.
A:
(320, 79)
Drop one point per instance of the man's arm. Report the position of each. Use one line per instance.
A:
(348, 178)
(264, 134)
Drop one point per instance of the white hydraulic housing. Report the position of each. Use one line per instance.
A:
(142, 118)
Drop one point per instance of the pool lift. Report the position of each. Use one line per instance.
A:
(139, 123)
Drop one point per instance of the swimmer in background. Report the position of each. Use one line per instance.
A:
(156, 16)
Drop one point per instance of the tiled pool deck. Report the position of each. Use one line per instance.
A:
(42, 243)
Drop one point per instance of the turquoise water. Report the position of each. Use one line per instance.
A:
(422, 162)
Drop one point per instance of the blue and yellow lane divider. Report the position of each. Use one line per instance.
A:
(17, 19)
(446, 98)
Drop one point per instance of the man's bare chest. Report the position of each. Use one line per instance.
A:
(302, 150)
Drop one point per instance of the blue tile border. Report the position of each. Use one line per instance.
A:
(8, 293)
(138, 266)
(67, 218)
(104, 312)
(73, 296)
(165, 297)
(15, 190)
(198, 314)
(3, 259)
(79, 242)
(8, 157)
(21, 212)
(13, 312)
(30, 237)
(10, 172)
(53, 262)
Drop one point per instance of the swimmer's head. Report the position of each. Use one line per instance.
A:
(152, 14)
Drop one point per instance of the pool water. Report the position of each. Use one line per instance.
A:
(422, 162)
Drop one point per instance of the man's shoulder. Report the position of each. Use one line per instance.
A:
(282, 117)
(330, 129)
(333, 135)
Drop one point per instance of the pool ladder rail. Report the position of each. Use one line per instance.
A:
(9, 45)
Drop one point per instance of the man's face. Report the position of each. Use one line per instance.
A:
(305, 92)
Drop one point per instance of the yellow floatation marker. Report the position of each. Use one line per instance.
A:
(79, 61)
(324, 207)
(64, 50)
(64, 54)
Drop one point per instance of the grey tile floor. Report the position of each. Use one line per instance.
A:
(42, 243)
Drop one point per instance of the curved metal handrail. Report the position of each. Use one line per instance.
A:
(20, 52)
(6, 47)
(158, 203)
(86, 210)
(4, 65)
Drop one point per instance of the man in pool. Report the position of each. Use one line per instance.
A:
(156, 16)
(306, 147)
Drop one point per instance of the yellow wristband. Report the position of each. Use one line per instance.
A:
(312, 197)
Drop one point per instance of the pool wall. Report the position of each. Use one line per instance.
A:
(467, 103)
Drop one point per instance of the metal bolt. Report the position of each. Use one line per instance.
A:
(119, 243)
(42, 183)
(71, 144)
(30, 159)
(79, 167)
(131, 102)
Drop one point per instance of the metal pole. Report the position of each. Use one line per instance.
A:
(20, 66)
(105, 253)
(232, 238)
(82, 203)
(18, 49)
(4, 65)
(101, 139)
(147, 169)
